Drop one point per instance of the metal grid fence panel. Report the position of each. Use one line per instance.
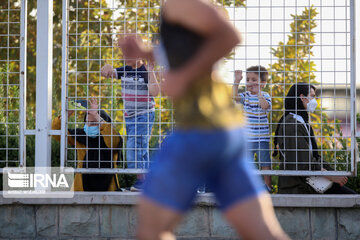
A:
(11, 17)
(303, 42)
(94, 28)
(296, 41)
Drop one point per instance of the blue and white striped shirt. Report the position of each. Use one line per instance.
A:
(257, 119)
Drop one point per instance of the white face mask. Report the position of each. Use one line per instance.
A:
(311, 106)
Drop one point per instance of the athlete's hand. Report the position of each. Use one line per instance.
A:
(132, 47)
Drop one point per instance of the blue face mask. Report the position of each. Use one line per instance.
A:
(91, 131)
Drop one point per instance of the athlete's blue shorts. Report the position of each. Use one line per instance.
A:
(191, 158)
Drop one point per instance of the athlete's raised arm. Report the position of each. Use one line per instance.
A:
(203, 18)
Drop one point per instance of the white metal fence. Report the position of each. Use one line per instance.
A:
(297, 41)
(12, 83)
(93, 29)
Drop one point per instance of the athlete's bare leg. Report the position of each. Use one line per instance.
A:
(156, 222)
(255, 219)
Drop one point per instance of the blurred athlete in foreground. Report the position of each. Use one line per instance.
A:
(208, 146)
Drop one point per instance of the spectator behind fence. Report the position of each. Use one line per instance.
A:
(256, 103)
(297, 147)
(97, 145)
(138, 92)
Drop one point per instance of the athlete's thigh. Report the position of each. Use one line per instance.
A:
(155, 221)
(254, 218)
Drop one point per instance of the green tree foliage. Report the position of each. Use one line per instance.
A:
(9, 83)
(293, 64)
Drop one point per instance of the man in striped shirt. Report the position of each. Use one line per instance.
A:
(256, 104)
(139, 87)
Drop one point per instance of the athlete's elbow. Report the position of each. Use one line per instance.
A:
(231, 36)
(154, 92)
(237, 38)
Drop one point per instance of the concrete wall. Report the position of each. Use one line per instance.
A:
(113, 216)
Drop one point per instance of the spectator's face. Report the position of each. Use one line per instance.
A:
(308, 98)
(91, 120)
(253, 83)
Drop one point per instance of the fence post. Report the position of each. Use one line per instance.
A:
(23, 43)
(354, 154)
(44, 58)
(64, 56)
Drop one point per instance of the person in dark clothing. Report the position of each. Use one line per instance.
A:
(97, 145)
(296, 144)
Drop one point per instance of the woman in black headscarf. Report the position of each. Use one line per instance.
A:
(296, 144)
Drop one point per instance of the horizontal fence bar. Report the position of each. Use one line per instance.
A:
(260, 172)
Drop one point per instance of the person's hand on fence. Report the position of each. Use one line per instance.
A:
(107, 71)
(94, 109)
(93, 103)
(235, 87)
(338, 179)
(238, 76)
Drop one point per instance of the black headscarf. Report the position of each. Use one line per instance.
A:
(293, 104)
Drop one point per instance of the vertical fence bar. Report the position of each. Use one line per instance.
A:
(356, 51)
(44, 57)
(353, 86)
(23, 43)
(64, 69)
